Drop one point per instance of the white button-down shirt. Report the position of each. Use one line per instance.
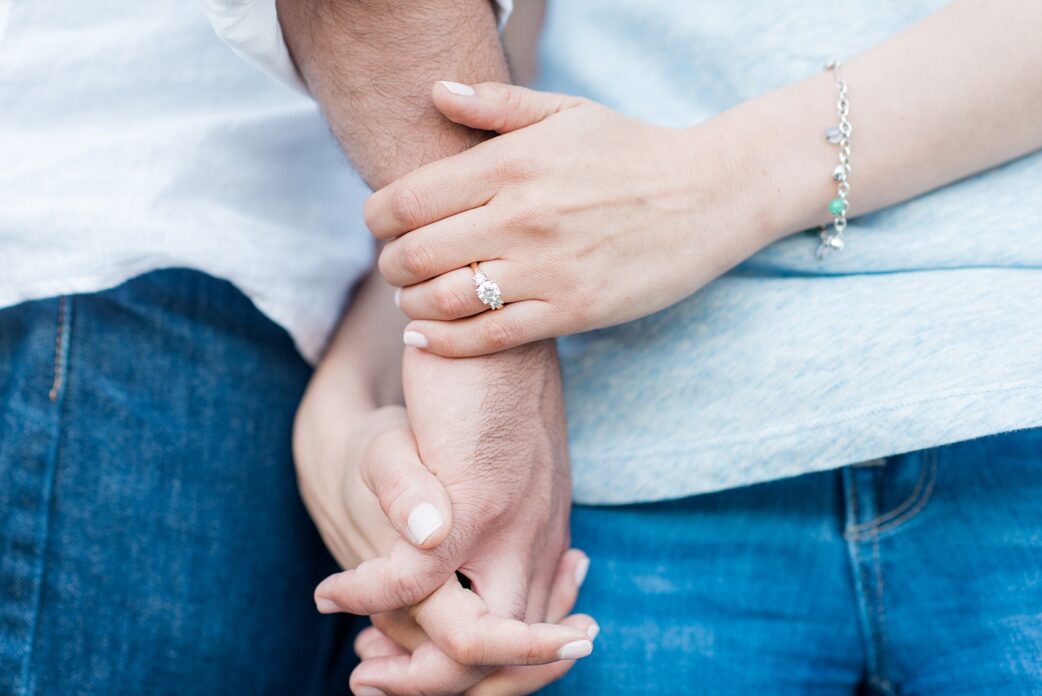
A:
(132, 139)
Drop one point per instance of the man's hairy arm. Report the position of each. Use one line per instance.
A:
(371, 64)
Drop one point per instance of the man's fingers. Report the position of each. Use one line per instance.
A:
(510, 681)
(495, 106)
(415, 502)
(401, 579)
(459, 622)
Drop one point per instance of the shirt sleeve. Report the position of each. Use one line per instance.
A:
(251, 29)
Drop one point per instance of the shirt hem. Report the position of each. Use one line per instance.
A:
(852, 436)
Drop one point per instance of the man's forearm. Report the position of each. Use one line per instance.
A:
(371, 65)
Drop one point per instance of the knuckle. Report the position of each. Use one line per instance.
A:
(491, 509)
(535, 214)
(517, 165)
(371, 212)
(499, 334)
(450, 302)
(464, 647)
(408, 207)
(392, 486)
(387, 262)
(416, 258)
(406, 590)
(514, 99)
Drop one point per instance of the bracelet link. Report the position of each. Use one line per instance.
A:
(832, 235)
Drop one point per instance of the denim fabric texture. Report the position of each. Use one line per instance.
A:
(920, 574)
(152, 539)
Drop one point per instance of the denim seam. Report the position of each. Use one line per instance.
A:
(883, 640)
(62, 342)
(927, 494)
(891, 526)
(869, 619)
(879, 520)
(855, 557)
(59, 345)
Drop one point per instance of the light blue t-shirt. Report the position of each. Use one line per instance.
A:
(926, 330)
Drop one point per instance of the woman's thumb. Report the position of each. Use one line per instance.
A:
(415, 502)
(495, 106)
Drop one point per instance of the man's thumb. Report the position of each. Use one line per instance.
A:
(494, 106)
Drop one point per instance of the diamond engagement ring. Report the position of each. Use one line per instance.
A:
(487, 290)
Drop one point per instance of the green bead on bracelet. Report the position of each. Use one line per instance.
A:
(837, 206)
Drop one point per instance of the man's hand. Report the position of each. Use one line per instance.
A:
(492, 432)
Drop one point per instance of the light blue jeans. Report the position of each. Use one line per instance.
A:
(920, 574)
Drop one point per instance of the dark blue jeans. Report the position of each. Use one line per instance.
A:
(152, 539)
(917, 575)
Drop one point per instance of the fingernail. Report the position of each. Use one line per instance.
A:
(414, 339)
(398, 298)
(457, 88)
(580, 571)
(593, 631)
(424, 520)
(575, 650)
(326, 606)
(368, 691)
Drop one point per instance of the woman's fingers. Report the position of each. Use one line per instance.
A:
(511, 681)
(469, 179)
(415, 502)
(402, 578)
(370, 644)
(571, 572)
(427, 672)
(442, 246)
(495, 106)
(435, 191)
(459, 622)
(516, 324)
(453, 295)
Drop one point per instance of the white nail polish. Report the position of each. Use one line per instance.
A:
(326, 606)
(398, 298)
(575, 650)
(458, 88)
(414, 339)
(580, 571)
(424, 520)
(593, 631)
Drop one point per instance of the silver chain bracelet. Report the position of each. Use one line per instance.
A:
(832, 235)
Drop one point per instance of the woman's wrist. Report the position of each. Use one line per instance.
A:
(775, 164)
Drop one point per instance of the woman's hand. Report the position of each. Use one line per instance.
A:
(410, 665)
(583, 217)
(365, 485)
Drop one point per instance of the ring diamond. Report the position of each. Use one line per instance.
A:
(488, 291)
